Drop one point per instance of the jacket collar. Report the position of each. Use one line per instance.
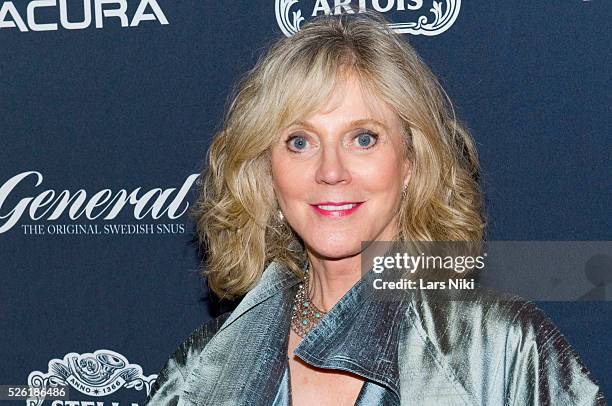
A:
(360, 334)
(248, 355)
(276, 278)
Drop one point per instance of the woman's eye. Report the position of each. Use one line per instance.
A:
(297, 143)
(366, 140)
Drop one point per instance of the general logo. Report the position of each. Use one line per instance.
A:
(419, 17)
(106, 204)
(99, 374)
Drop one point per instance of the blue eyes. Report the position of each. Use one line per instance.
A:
(298, 142)
(364, 140)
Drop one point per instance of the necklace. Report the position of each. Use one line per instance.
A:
(304, 314)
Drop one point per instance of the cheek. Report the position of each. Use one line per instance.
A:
(287, 180)
(381, 175)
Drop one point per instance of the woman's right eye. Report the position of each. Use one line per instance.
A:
(297, 143)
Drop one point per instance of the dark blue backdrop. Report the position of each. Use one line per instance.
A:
(134, 107)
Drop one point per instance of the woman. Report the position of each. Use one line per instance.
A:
(340, 135)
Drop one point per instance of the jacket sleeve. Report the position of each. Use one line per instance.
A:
(541, 368)
(166, 389)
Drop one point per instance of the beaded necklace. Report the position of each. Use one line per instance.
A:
(304, 314)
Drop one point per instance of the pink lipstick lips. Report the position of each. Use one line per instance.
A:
(336, 209)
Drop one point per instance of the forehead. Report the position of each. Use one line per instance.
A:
(355, 100)
(350, 99)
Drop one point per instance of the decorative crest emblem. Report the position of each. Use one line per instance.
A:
(99, 374)
(439, 18)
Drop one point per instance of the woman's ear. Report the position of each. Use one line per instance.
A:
(406, 171)
(406, 148)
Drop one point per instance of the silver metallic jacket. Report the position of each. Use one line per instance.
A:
(409, 352)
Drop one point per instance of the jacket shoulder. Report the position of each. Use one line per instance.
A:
(166, 388)
(551, 371)
(514, 351)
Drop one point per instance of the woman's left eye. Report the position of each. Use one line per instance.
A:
(297, 143)
(366, 140)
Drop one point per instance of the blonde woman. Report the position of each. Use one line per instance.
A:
(340, 134)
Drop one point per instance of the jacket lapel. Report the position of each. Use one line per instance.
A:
(245, 361)
(360, 334)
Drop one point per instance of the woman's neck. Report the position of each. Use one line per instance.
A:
(330, 280)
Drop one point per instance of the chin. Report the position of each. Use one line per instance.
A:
(334, 249)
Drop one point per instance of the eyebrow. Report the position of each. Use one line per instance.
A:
(357, 123)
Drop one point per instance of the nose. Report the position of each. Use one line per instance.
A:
(332, 167)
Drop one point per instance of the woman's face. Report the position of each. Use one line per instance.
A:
(338, 175)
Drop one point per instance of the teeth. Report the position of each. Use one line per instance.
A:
(335, 208)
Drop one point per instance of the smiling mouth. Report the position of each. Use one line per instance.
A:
(330, 209)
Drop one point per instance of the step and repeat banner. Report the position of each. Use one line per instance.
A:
(107, 108)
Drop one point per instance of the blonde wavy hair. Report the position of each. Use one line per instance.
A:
(236, 210)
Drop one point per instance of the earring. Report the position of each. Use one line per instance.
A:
(405, 191)
(280, 215)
